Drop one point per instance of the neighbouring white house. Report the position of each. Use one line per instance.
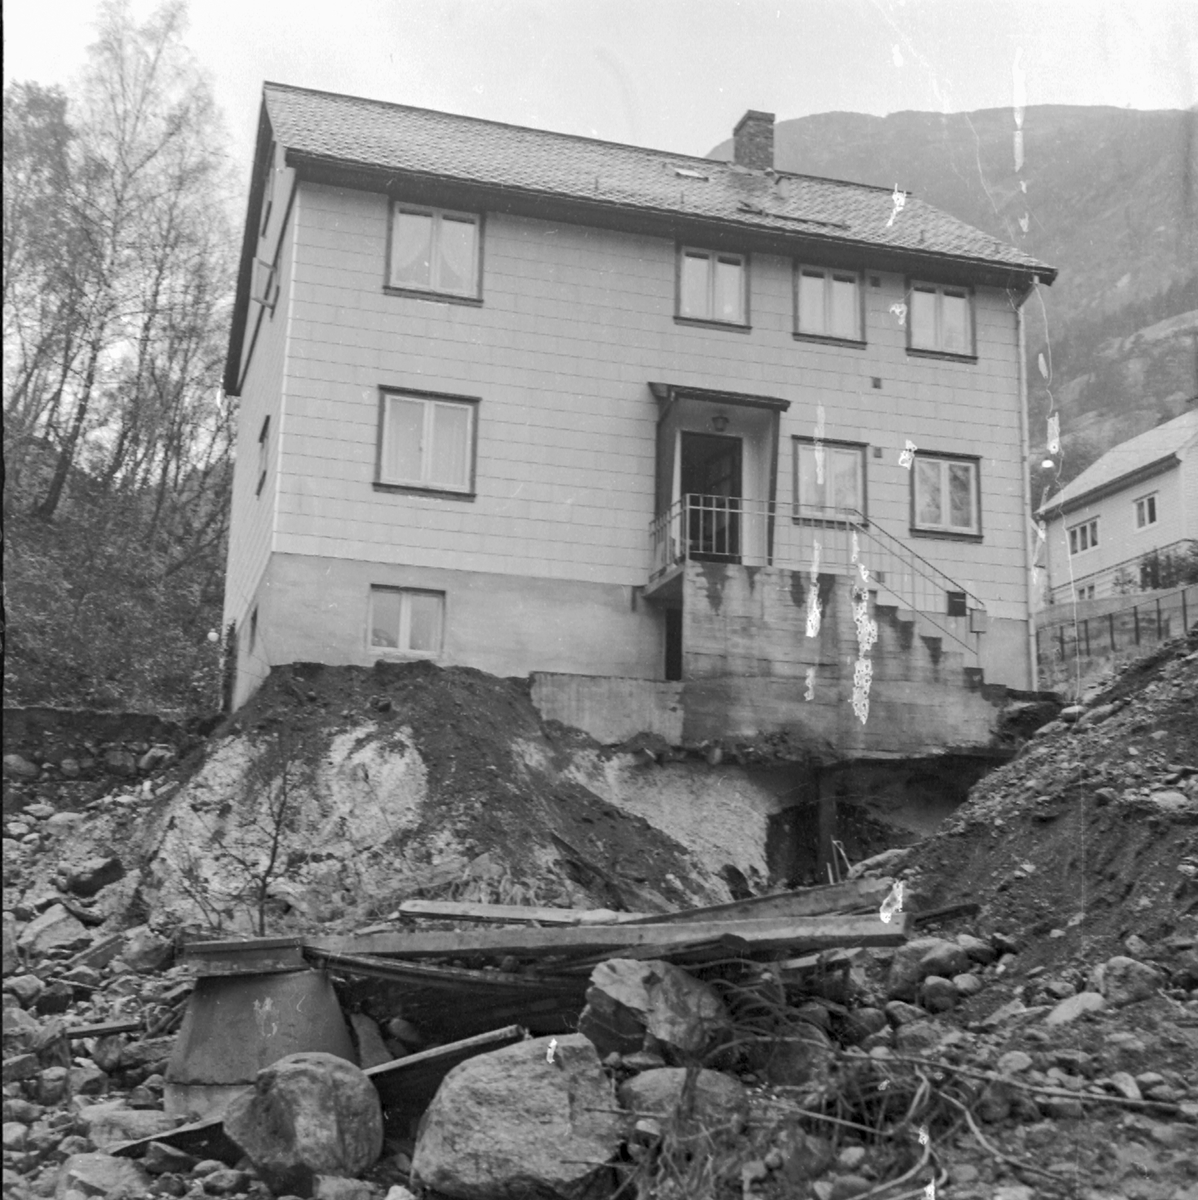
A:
(701, 446)
(1116, 527)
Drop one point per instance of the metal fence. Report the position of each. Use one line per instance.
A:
(1073, 639)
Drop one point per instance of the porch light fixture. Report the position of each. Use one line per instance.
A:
(719, 422)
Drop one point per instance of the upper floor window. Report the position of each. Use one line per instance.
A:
(427, 442)
(434, 250)
(713, 286)
(828, 304)
(1083, 536)
(940, 319)
(829, 478)
(1146, 511)
(945, 497)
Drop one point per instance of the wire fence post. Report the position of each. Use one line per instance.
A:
(1086, 634)
(1111, 626)
(1061, 639)
(1135, 616)
(1159, 635)
(1185, 620)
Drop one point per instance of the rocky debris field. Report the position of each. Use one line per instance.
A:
(1037, 1038)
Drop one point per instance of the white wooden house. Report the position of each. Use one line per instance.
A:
(1114, 528)
(541, 404)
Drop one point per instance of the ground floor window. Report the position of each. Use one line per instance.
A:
(407, 619)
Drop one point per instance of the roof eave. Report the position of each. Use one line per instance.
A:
(319, 168)
(1059, 508)
(249, 245)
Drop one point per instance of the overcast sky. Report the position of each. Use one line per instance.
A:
(672, 74)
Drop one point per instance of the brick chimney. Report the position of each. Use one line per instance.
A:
(753, 141)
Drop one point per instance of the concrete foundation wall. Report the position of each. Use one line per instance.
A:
(314, 609)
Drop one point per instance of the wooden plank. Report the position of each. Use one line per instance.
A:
(808, 902)
(105, 1029)
(427, 975)
(810, 933)
(253, 956)
(514, 914)
(407, 1085)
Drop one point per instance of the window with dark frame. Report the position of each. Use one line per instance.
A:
(712, 286)
(828, 304)
(1146, 511)
(946, 496)
(829, 479)
(427, 441)
(1083, 537)
(940, 320)
(434, 250)
(408, 620)
(263, 455)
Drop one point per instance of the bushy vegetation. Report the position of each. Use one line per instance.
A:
(118, 274)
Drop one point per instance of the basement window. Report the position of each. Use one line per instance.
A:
(408, 620)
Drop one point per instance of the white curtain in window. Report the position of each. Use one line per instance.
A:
(960, 493)
(928, 510)
(693, 292)
(954, 323)
(844, 307)
(450, 466)
(811, 304)
(412, 250)
(404, 435)
(456, 255)
(384, 618)
(923, 318)
(729, 290)
(424, 625)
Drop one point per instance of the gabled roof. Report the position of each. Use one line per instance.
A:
(398, 138)
(1128, 463)
(393, 148)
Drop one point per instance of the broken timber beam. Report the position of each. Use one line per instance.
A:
(810, 933)
(808, 902)
(514, 914)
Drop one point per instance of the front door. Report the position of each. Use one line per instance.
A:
(711, 478)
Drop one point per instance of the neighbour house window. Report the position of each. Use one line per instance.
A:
(1146, 511)
(829, 479)
(828, 304)
(406, 619)
(427, 442)
(712, 286)
(263, 455)
(945, 496)
(434, 250)
(1083, 536)
(940, 320)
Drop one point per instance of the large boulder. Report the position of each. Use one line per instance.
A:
(1126, 980)
(95, 873)
(51, 930)
(920, 958)
(100, 1175)
(534, 1119)
(307, 1114)
(801, 1057)
(113, 1122)
(631, 998)
(716, 1102)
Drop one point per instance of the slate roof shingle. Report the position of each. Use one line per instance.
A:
(348, 129)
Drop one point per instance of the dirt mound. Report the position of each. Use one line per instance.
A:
(1091, 833)
(339, 791)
